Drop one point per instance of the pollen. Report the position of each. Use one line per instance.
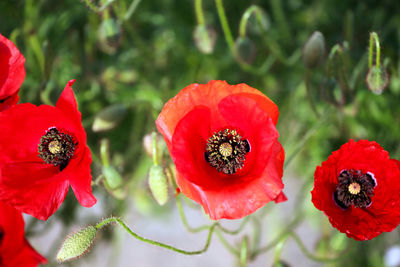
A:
(225, 149)
(55, 147)
(354, 188)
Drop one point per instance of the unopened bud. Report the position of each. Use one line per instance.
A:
(204, 38)
(377, 79)
(314, 50)
(77, 244)
(158, 184)
(109, 35)
(109, 118)
(112, 177)
(245, 49)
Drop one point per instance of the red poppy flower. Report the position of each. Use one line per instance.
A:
(12, 73)
(358, 189)
(225, 146)
(42, 151)
(15, 250)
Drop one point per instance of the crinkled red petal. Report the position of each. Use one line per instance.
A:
(9, 102)
(15, 251)
(383, 215)
(207, 95)
(12, 72)
(192, 132)
(26, 181)
(237, 200)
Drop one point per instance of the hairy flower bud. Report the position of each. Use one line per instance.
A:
(314, 50)
(77, 244)
(245, 50)
(109, 118)
(109, 35)
(158, 184)
(377, 80)
(204, 38)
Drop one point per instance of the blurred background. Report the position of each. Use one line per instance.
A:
(130, 56)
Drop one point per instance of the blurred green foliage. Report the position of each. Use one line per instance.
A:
(138, 54)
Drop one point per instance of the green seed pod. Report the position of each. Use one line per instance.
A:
(158, 184)
(245, 50)
(377, 80)
(77, 244)
(204, 38)
(314, 50)
(109, 118)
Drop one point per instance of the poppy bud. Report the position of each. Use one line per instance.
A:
(204, 38)
(377, 80)
(109, 118)
(314, 50)
(109, 35)
(77, 244)
(112, 177)
(245, 49)
(158, 184)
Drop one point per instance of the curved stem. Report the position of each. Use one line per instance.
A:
(238, 230)
(225, 25)
(156, 243)
(226, 244)
(184, 220)
(313, 257)
(199, 12)
(205, 227)
(374, 37)
(289, 228)
(245, 19)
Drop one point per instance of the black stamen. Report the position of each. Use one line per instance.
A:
(226, 151)
(354, 188)
(56, 148)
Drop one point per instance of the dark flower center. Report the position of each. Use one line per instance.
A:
(226, 151)
(354, 188)
(57, 148)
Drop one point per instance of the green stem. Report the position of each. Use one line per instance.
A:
(245, 19)
(374, 39)
(289, 228)
(278, 251)
(156, 243)
(244, 252)
(226, 244)
(313, 257)
(184, 220)
(309, 94)
(225, 25)
(104, 152)
(199, 12)
(131, 9)
(304, 139)
(205, 227)
(154, 148)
